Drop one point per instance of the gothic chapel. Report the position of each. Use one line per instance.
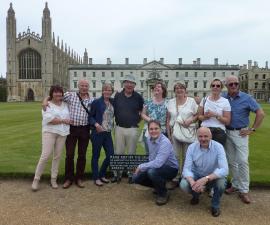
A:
(35, 62)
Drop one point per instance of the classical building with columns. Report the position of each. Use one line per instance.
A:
(255, 80)
(35, 62)
(196, 76)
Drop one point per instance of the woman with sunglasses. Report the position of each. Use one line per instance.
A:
(215, 112)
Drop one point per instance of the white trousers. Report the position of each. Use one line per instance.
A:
(51, 143)
(237, 154)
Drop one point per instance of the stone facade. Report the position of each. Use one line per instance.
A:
(255, 81)
(196, 76)
(35, 62)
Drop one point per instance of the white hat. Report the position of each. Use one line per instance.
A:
(130, 78)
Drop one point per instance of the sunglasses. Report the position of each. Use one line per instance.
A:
(233, 84)
(215, 85)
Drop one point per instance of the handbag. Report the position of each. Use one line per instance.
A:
(184, 134)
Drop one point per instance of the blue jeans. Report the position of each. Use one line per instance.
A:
(156, 178)
(218, 185)
(99, 140)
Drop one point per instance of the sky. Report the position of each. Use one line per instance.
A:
(232, 30)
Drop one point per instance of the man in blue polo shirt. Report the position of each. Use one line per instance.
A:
(237, 136)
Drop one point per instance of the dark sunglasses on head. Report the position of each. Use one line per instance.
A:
(216, 85)
(234, 83)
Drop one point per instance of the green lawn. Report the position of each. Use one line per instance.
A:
(20, 143)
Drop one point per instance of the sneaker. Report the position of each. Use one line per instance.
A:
(194, 201)
(35, 185)
(244, 197)
(162, 200)
(231, 190)
(54, 183)
(215, 212)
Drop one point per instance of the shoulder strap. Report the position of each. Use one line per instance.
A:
(83, 104)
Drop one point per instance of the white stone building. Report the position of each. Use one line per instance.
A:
(196, 76)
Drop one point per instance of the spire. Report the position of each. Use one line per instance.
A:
(46, 11)
(62, 45)
(10, 10)
(85, 57)
(58, 44)
(46, 23)
(53, 39)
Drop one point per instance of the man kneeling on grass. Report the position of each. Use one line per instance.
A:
(205, 167)
(162, 165)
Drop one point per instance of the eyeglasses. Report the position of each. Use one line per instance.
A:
(233, 84)
(216, 85)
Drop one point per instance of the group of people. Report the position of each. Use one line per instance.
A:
(199, 162)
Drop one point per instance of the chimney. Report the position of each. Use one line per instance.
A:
(216, 61)
(161, 60)
(109, 61)
(249, 64)
(198, 61)
(194, 62)
(144, 60)
(180, 61)
(126, 61)
(266, 65)
(90, 61)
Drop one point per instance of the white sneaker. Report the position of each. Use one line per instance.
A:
(35, 185)
(54, 183)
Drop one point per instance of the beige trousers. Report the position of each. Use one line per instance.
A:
(126, 138)
(180, 149)
(51, 143)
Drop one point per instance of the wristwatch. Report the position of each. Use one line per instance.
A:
(252, 129)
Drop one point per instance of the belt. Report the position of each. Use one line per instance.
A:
(127, 126)
(231, 128)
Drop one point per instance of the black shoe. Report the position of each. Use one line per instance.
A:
(130, 181)
(215, 212)
(115, 179)
(162, 200)
(194, 201)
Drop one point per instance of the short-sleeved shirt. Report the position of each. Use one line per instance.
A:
(78, 115)
(218, 107)
(188, 109)
(157, 112)
(241, 105)
(127, 109)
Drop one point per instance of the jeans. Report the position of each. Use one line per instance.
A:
(218, 185)
(156, 177)
(99, 140)
(78, 134)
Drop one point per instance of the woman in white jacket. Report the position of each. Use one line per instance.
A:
(55, 128)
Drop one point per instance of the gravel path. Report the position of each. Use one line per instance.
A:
(119, 204)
